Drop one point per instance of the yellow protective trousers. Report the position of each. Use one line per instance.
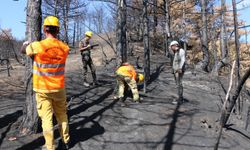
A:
(47, 103)
(122, 80)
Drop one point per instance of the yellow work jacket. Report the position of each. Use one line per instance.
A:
(49, 64)
(127, 71)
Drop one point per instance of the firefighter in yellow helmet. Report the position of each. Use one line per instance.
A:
(85, 46)
(48, 81)
(126, 75)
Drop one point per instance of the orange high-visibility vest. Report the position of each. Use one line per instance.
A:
(49, 64)
(127, 71)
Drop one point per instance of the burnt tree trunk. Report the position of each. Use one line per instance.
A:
(74, 35)
(185, 40)
(33, 33)
(224, 51)
(154, 26)
(66, 8)
(204, 40)
(56, 9)
(237, 49)
(213, 41)
(167, 33)
(223, 42)
(214, 48)
(146, 44)
(121, 46)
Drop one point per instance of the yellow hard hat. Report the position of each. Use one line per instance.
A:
(51, 21)
(88, 33)
(140, 78)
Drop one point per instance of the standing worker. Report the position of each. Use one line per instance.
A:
(178, 66)
(85, 47)
(48, 81)
(126, 75)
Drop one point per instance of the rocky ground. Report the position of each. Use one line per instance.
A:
(97, 122)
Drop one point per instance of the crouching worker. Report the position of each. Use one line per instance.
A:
(126, 75)
(48, 81)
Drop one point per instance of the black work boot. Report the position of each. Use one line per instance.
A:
(122, 101)
(181, 100)
(66, 146)
(95, 82)
(139, 100)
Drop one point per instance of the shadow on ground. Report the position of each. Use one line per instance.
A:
(77, 130)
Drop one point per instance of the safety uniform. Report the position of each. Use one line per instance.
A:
(87, 60)
(179, 64)
(48, 82)
(126, 74)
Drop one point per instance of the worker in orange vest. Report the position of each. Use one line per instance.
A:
(48, 81)
(126, 75)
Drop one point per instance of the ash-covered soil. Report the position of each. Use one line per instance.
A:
(97, 122)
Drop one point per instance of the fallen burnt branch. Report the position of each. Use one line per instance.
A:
(231, 102)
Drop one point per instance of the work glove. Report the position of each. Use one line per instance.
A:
(26, 43)
(127, 79)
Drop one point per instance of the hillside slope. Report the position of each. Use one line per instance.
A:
(97, 122)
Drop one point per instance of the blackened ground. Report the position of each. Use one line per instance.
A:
(97, 122)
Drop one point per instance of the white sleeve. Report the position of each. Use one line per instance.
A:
(182, 56)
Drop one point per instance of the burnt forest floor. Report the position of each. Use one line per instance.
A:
(97, 122)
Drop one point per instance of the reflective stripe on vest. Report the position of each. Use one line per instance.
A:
(48, 73)
(48, 65)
